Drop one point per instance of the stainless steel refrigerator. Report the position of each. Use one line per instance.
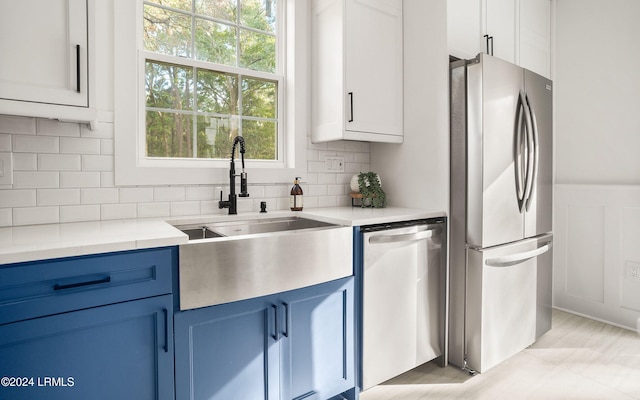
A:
(500, 211)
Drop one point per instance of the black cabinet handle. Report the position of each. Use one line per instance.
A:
(351, 102)
(491, 41)
(80, 284)
(166, 329)
(486, 37)
(286, 320)
(276, 336)
(78, 68)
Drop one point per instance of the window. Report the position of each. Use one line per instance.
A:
(201, 72)
(212, 72)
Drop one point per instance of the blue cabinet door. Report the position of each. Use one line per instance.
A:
(228, 352)
(120, 351)
(318, 344)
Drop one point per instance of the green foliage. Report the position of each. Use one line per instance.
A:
(196, 112)
(372, 193)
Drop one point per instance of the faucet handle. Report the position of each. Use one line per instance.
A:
(243, 185)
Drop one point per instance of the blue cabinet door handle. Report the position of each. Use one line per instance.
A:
(80, 284)
(166, 329)
(276, 336)
(286, 320)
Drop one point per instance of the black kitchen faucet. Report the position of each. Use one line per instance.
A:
(232, 203)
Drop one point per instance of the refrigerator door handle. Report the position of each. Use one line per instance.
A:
(517, 152)
(513, 259)
(403, 237)
(530, 150)
(535, 154)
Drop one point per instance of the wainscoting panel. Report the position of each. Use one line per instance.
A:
(597, 252)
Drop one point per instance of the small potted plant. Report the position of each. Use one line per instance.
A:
(370, 190)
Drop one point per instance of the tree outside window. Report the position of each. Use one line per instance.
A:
(211, 73)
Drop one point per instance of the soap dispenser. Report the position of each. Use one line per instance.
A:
(295, 201)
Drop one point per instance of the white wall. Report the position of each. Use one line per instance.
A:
(597, 167)
(416, 173)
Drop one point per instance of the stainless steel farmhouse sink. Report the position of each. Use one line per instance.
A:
(242, 259)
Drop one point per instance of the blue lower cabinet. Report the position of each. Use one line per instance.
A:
(293, 345)
(119, 351)
(318, 347)
(227, 352)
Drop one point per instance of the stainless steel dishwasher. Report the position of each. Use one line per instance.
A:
(404, 297)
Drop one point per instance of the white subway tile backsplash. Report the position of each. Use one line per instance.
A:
(36, 179)
(149, 210)
(50, 127)
(169, 193)
(118, 211)
(97, 163)
(58, 162)
(327, 201)
(277, 190)
(181, 208)
(201, 193)
(17, 198)
(136, 195)
(361, 158)
(107, 179)
(72, 179)
(5, 142)
(79, 145)
(338, 145)
(99, 195)
(102, 131)
(6, 217)
(106, 146)
(336, 190)
(36, 215)
(25, 162)
(17, 125)
(35, 144)
(326, 179)
(79, 213)
(209, 207)
(316, 166)
(63, 172)
(58, 197)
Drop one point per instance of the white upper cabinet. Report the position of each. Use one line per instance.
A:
(518, 31)
(357, 70)
(500, 28)
(465, 28)
(44, 68)
(535, 36)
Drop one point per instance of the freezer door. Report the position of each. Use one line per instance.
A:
(538, 214)
(493, 213)
(508, 301)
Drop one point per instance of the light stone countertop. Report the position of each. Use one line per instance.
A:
(40, 242)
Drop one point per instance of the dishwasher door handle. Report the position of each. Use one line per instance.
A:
(403, 237)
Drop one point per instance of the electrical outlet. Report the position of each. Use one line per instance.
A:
(633, 270)
(334, 163)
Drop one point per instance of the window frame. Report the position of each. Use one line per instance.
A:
(133, 168)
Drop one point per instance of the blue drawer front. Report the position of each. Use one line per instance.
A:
(35, 289)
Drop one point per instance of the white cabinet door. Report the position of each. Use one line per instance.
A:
(44, 51)
(501, 27)
(374, 67)
(357, 70)
(464, 28)
(535, 36)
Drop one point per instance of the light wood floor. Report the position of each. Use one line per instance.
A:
(578, 359)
